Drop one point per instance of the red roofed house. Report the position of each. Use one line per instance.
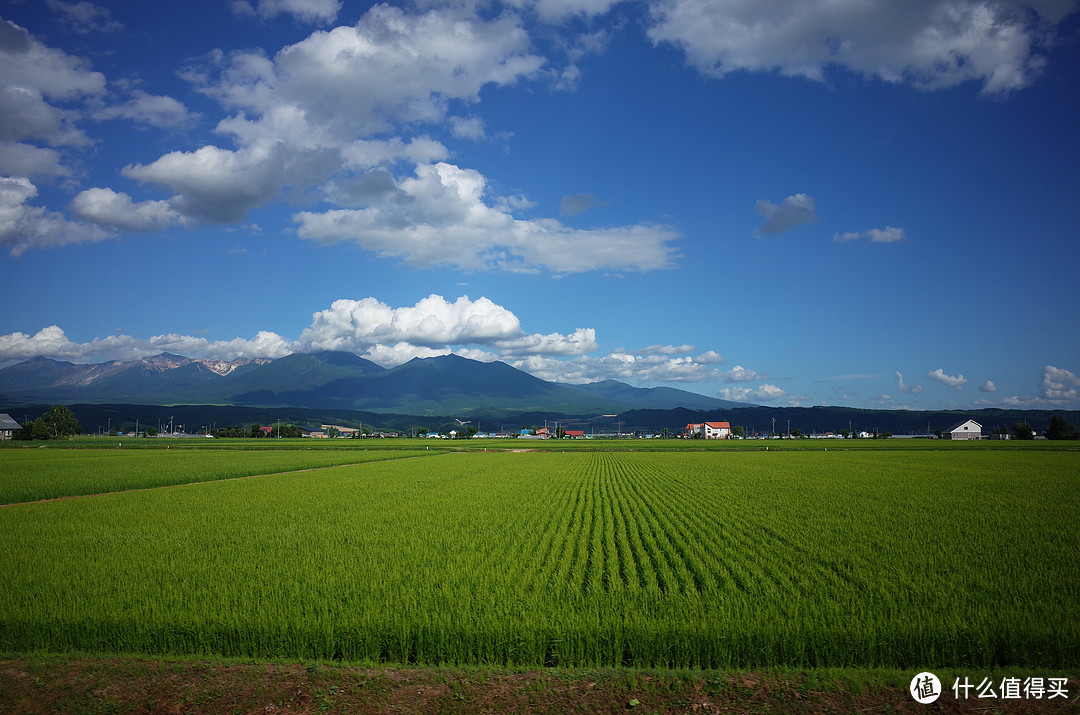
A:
(709, 430)
(575, 434)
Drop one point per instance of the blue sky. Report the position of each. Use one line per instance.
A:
(835, 202)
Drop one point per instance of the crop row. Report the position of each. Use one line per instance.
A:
(586, 559)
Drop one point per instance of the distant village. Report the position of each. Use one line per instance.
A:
(966, 430)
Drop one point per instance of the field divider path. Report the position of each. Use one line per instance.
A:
(218, 481)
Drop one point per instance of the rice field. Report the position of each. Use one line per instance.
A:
(33, 474)
(899, 559)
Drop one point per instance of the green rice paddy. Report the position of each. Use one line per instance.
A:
(669, 559)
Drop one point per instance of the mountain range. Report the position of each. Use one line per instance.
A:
(444, 385)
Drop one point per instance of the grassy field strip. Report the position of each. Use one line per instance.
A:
(674, 560)
(35, 475)
(397, 455)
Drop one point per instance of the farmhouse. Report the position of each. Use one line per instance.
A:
(342, 431)
(709, 430)
(8, 427)
(965, 430)
(575, 434)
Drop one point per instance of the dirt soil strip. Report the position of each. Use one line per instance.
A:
(215, 481)
(69, 684)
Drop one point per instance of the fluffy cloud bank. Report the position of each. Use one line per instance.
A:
(320, 117)
(52, 342)
(329, 115)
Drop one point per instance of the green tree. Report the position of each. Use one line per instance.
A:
(61, 422)
(39, 429)
(286, 431)
(1022, 430)
(1060, 429)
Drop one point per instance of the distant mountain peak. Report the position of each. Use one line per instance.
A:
(442, 384)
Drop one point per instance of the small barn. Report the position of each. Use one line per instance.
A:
(965, 430)
(8, 427)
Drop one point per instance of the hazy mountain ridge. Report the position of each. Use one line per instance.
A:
(448, 384)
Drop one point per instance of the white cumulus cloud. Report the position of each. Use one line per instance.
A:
(889, 234)
(956, 382)
(791, 212)
(84, 17)
(742, 374)
(24, 226)
(580, 342)
(763, 393)
(149, 109)
(306, 10)
(929, 44)
(48, 342)
(617, 365)
(439, 217)
(222, 185)
(904, 388)
(1059, 385)
(53, 343)
(358, 325)
(35, 81)
(109, 208)
(391, 67)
